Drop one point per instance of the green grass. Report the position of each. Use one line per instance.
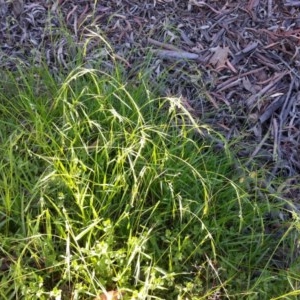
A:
(106, 187)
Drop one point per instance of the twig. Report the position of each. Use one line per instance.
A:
(287, 104)
(224, 84)
(277, 135)
(250, 101)
(276, 148)
(169, 54)
(230, 84)
(258, 147)
(163, 45)
(287, 65)
(292, 3)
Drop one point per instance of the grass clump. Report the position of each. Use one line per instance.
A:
(106, 190)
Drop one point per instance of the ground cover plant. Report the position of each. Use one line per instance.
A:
(108, 192)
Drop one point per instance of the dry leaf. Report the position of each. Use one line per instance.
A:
(111, 295)
(219, 57)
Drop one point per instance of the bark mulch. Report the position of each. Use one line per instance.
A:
(234, 63)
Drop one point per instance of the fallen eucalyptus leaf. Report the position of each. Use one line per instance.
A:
(219, 57)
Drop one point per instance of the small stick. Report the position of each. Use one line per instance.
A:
(169, 54)
(250, 101)
(276, 148)
(278, 129)
(258, 147)
(230, 84)
(231, 79)
(163, 45)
